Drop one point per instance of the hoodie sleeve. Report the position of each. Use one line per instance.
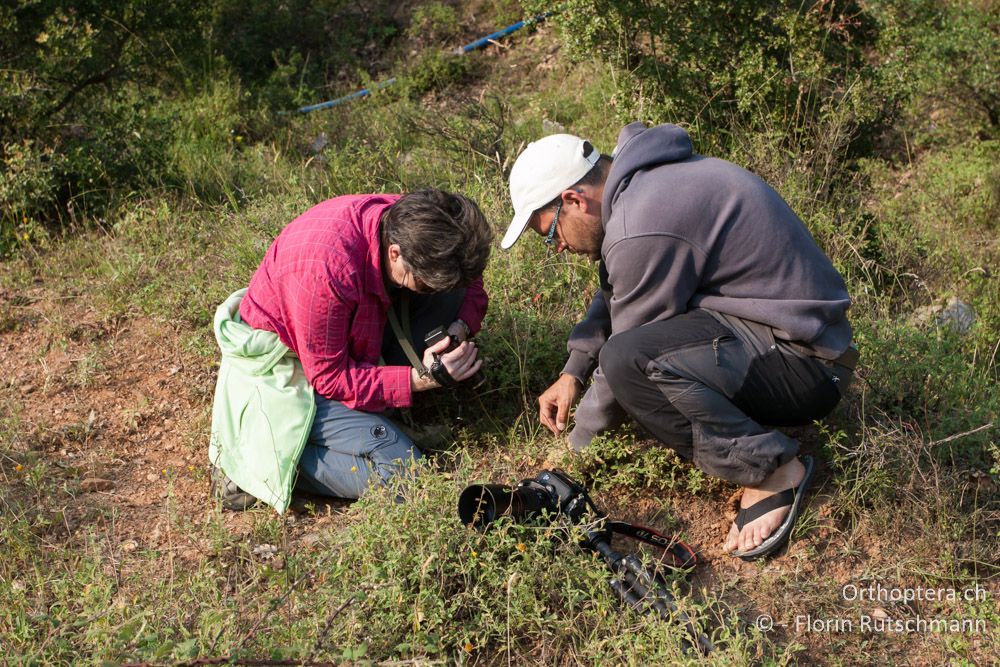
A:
(649, 286)
(587, 339)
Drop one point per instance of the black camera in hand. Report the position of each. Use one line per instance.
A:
(437, 369)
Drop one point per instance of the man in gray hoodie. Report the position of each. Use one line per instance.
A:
(717, 318)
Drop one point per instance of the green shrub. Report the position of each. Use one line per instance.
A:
(931, 226)
(726, 68)
(622, 461)
(289, 52)
(436, 70)
(931, 378)
(433, 23)
(76, 130)
(945, 56)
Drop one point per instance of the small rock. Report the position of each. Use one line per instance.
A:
(92, 484)
(310, 540)
(265, 551)
(552, 127)
(319, 143)
(957, 316)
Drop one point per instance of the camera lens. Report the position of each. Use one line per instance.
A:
(481, 504)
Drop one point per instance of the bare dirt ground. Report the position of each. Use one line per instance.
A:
(119, 410)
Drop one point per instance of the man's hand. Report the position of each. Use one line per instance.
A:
(555, 403)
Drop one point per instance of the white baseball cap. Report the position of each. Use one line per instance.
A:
(543, 170)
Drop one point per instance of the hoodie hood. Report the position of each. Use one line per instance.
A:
(640, 147)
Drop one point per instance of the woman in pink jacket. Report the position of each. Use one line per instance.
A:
(326, 287)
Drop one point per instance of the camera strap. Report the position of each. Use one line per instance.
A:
(680, 555)
(401, 327)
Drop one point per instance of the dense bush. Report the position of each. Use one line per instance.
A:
(80, 83)
(287, 51)
(945, 56)
(724, 69)
(99, 100)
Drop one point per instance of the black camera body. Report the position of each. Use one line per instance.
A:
(437, 370)
(437, 335)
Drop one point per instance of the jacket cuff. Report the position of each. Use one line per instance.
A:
(396, 388)
(580, 366)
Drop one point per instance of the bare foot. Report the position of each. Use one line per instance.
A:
(788, 476)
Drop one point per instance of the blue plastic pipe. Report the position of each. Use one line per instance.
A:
(483, 41)
(462, 50)
(346, 98)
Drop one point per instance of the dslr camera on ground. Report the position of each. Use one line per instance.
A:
(552, 493)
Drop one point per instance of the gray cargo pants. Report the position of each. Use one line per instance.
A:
(348, 450)
(707, 389)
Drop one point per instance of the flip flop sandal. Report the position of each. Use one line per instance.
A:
(786, 498)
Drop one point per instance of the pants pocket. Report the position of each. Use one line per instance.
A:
(783, 388)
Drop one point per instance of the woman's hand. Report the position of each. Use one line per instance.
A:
(461, 363)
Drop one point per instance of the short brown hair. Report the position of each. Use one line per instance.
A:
(443, 237)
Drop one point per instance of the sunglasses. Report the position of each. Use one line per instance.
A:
(551, 238)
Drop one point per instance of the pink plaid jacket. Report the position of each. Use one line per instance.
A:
(320, 289)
